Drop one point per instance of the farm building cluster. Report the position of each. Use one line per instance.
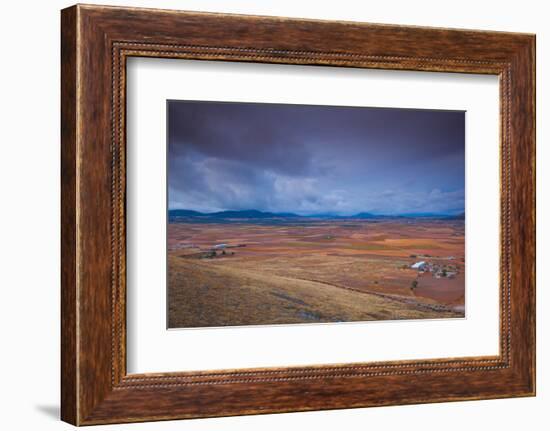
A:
(217, 250)
(438, 270)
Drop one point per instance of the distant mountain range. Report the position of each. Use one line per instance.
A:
(178, 214)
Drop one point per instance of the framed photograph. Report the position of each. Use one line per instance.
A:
(266, 215)
(267, 222)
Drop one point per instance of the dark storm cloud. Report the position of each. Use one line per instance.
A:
(237, 132)
(312, 159)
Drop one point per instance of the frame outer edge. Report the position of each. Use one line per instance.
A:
(523, 217)
(69, 196)
(532, 80)
(88, 397)
(533, 53)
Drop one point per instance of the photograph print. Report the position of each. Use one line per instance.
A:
(305, 214)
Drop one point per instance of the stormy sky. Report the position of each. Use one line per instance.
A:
(314, 159)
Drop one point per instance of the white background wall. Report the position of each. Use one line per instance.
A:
(29, 212)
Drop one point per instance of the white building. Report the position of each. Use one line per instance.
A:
(419, 265)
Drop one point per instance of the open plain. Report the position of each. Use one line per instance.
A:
(247, 272)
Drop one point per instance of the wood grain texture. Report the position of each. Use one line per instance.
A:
(96, 41)
(69, 366)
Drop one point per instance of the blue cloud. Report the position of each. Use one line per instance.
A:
(314, 159)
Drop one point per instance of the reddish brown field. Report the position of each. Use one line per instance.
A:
(317, 271)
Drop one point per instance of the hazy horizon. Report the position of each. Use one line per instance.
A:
(311, 160)
(318, 214)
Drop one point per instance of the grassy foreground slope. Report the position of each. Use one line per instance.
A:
(202, 294)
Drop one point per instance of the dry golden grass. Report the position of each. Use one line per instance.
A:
(319, 272)
(205, 294)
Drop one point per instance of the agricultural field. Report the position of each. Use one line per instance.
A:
(316, 271)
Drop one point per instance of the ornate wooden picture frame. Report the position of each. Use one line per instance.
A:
(96, 41)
